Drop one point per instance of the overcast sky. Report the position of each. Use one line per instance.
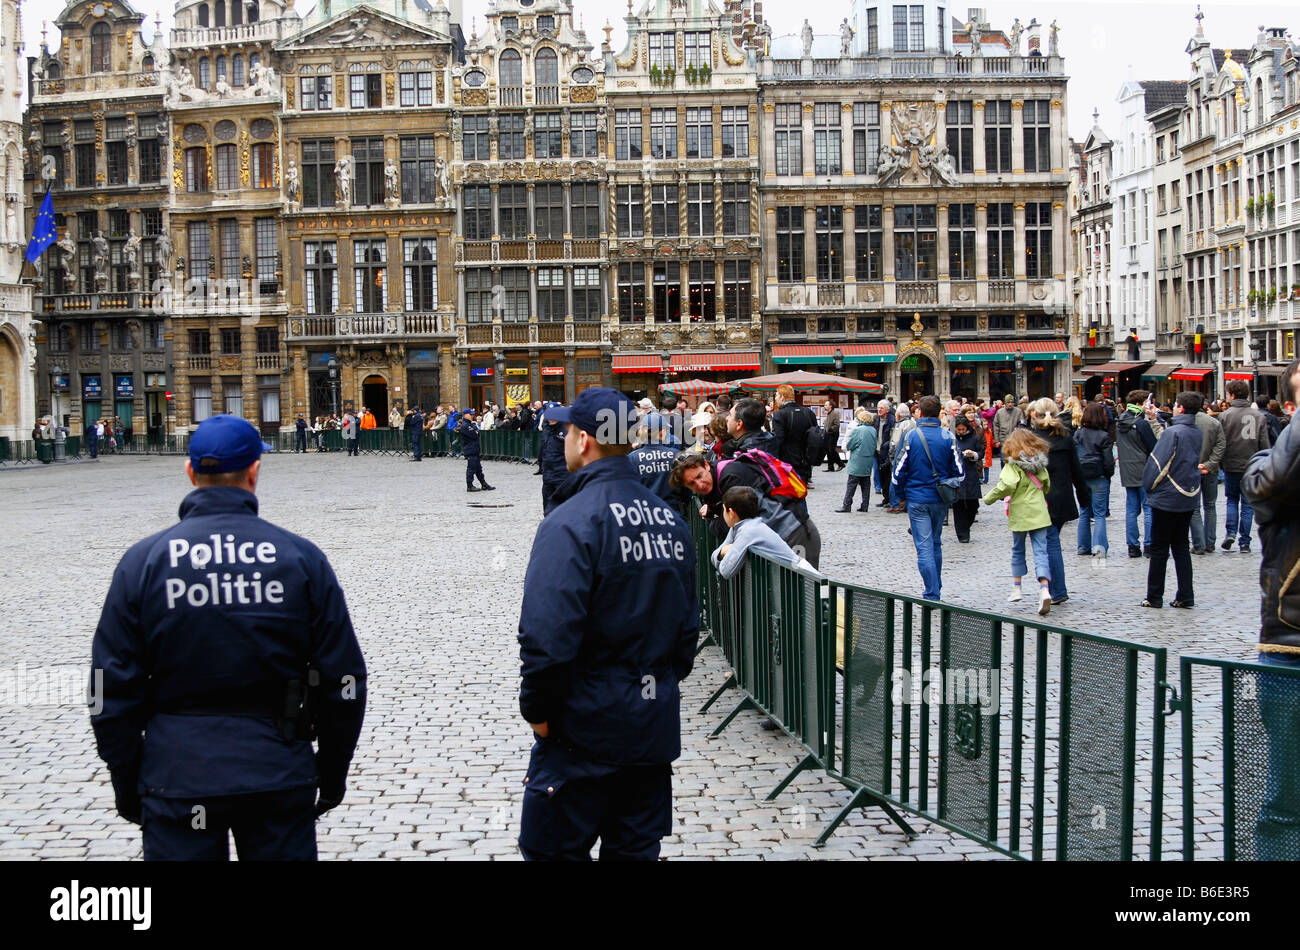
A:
(1104, 42)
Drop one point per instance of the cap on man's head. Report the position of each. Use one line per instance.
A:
(647, 405)
(605, 413)
(225, 444)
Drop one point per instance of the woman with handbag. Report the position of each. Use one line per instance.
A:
(1172, 479)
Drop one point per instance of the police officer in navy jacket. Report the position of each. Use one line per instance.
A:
(653, 459)
(211, 633)
(607, 630)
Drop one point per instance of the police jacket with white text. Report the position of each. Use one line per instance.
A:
(204, 625)
(609, 621)
(469, 437)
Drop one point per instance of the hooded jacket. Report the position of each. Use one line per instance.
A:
(1272, 486)
(1135, 437)
(1097, 442)
(1028, 509)
(1065, 471)
(1178, 451)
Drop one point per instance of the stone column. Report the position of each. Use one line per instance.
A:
(978, 137)
(1018, 136)
(570, 377)
(982, 252)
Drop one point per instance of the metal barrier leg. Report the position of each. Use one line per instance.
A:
(744, 704)
(709, 639)
(717, 694)
(809, 761)
(861, 799)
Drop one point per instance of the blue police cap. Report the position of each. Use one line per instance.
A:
(606, 413)
(225, 444)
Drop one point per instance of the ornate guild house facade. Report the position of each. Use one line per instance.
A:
(17, 331)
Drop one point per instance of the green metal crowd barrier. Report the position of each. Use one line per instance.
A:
(1252, 741)
(494, 444)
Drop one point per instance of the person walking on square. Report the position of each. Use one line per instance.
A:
(970, 443)
(1204, 516)
(223, 649)
(1096, 453)
(1024, 481)
(1067, 486)
(1172, 479)
(1136, 431)
(351, 429)
(1245, 431)
(861, 449)
(470, 446)
(928, 463)
(884, 423)
(833, 460)
(607, 630)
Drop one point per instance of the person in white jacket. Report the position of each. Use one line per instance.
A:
(749, 533)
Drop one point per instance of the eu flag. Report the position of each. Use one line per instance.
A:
(45, 233)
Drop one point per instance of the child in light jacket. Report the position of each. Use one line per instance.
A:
(748, 532)
(1024, 482)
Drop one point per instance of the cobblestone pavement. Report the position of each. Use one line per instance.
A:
(432, 576)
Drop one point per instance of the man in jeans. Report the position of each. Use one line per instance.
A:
(1246, 432)
(915, 479)
(1212, 446)
(1136, 431)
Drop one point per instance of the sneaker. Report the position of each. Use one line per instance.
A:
(1015, 596)
(843, 511)
(1243, 548)
(1099, 556)
(1227, 543)
(472, 488)
(1060, 600)
(1044, 602)
(1134, 551)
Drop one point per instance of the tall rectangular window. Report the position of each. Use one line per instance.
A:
(997, 136)
(370, 275)
(268, 339)
(231, 340)
(510, 137)
(316, 92)
(631, 293)
(826, 138)
(115, 150)
(227, 157)
(699, 210)
(550, 294)
(830, 242)
(583, 135)
(365, 90)
(588, 300)
(663, 133)
(230, 269)
(548, 210)
(961, 135)
(84, 153)
(1038, 135)
(630, 211)
(699, 133)
(916, 28)
(868, 240)
(268, 255)
(478, 212)
(696, 46)
(663, 51)
(701, 291)
(915, 242)
(1001, 236)
(789, 245)
(318, 173)
(961, 242)
(196, 170)
(415, 84)
(419, 163)
(664, 221)
(514, 294)
(199, 235)
(322, 273)
(201, 399)
(420, 272)
(735, 131)
(1038, 239)
(368, 171)
(547, 135)
(627, 134)
(736, 290)
(873, 32)
(900, 29)
(475, 138)
(735, 207)
(584, 209)
(668, 292)
(512, 211)
(789, 138)
(866, 137)
(263, 156)
(478, 295)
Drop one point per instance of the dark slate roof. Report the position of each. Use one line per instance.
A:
(1162, 92)
(1239, 56)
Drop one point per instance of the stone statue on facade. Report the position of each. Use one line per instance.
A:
(846, 37)
(392, 181)
(442, 176)
(67, 258)
(806, 35)
(1053, 43)
(343, 180)
(1016, 30)
(354, 33)
(179, 86)
(130, 132)
(131, 254)
(163, 247)
(263, 80)
(99, 260)
(292, 183)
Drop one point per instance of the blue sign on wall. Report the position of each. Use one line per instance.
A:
(92, 387)
(483, 371)
(124, 387)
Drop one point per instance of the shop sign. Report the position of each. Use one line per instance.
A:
(91, 387)
(552, 370)
(482, 371)
(124, 387)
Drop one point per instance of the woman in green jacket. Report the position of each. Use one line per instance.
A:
(861, 449)
(1024, 482)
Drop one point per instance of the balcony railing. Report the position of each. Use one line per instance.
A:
(830, 295)
(511, 95)
(550, 333)
(372, 325)
(514, 333)
(85, 303)
(98, 82)
(267, 361)
(478, 334)
(916, 292)
(997, 65)
(547, 95)
(200, 361)
(1002, 291)
(587, 332)
(221, 35)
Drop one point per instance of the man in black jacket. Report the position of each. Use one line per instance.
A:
(1271, 483)
(884, 433)
(790, 426)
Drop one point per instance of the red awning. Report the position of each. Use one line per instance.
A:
(1193, 374)
(1111, 369)
(1238, 374)
(686, 362)
(1026, 347)
(696, 388)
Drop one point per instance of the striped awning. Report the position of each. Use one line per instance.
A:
(1003, 351)
(1193, 374)
(1159, 370)
(686, 362)
(825, 353)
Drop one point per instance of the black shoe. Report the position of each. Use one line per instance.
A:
(1227, 543)
(1182, 603)
(472, 488)
(1083, 553)
(963, 540)
(864, 510)
(1147, 603)
(1060, 600)
(487, 487)
(843, 511)
(1243, 548)
(1134, 551)
(1146, 551)
(882, 504)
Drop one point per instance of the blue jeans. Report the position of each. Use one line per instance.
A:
(1203, 527)
(1038, 539)
(1232, 490)
(1055, 563)
(927, 535)
(1137, 499)
(1277, 829)
(1092, 521)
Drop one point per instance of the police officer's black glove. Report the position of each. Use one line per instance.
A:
(129, 807)
(324, 802)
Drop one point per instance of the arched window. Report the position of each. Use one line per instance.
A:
(512, 68)
(147, 63)
(203, 15)
(205, 73)
(254, 60)
(237, 67)
(252, 13)
(237, 13)
(101, 50)
(219, 13)
(222, 73)
(548, 68)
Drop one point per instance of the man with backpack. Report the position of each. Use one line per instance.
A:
(928, 469)
(792, 425)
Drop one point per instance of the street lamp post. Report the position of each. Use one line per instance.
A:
(839, 362)
(1020, 373)
(1256, 354)
(1214, 363)
(666, 362)
(55, 372)
(334, 385)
